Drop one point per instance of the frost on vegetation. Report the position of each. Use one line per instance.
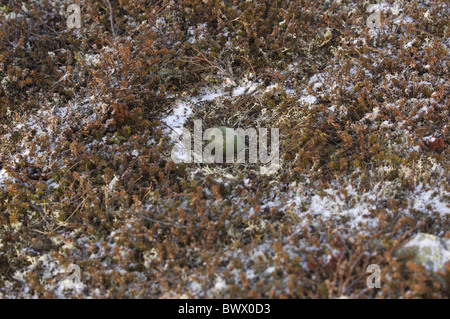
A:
(431, 199)
(183, 108)
(348, 208)
(363, 109)
(52, 275)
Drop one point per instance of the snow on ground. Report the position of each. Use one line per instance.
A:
(342, 205)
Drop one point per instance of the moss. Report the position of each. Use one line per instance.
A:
(69, 128)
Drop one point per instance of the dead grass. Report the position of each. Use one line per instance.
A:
(92, 182)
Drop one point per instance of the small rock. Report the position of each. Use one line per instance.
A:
(41, 244)
(429, 250)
